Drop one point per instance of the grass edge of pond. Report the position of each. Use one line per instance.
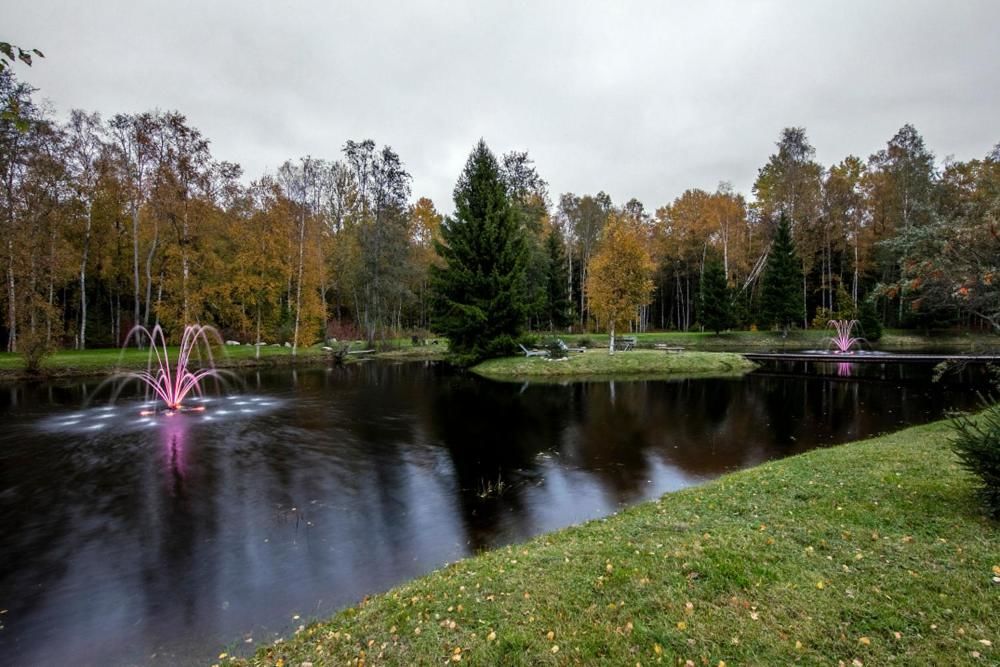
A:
(108, 361)
(598, 363)
(872, 551)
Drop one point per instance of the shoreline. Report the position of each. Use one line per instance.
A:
(873, 551)
(104, 362)
(598, 364)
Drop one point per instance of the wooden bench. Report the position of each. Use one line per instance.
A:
(625, 343)
(674, 349)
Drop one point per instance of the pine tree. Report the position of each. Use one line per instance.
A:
(558, 300)
(478, 293)
(716, 306)
(781, 298)
(871, 326)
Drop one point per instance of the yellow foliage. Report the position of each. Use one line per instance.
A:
(619, 276)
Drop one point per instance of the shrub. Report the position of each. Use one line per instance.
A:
(34, 348)
(977, 445)
(585, 342)
(555, 350)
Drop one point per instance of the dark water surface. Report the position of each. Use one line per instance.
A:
(160, 540)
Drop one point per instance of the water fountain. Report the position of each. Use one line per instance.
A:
(170, 384)
(844, 342)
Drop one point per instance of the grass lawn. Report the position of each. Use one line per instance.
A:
(84, 362)
(104, 361)
(796, 340)
(598, 363)
(871, 553)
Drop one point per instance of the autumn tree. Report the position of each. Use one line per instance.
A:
(585, 218)
(133, 138)
(478, 300)
(844, 207)
(303, 183)
(949, 264)
(619, 277)
(18, 116)
(425, 231)
(259, 263)
(85, 152)
(901, 193)
(382, 218)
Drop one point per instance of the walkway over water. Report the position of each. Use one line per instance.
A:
(877, 358)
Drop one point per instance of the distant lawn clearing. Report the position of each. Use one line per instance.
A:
(870, 553)
(598, 363)
(107, 360)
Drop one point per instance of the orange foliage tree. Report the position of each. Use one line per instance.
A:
(619, 276)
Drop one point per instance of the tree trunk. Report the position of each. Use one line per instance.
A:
(185, 267)
(149, 274)
(854, 285)
(256, 353)
(11, 297)
(611, 339)
(135, 262)
(82, 344)
(298, 286)
(805, 305)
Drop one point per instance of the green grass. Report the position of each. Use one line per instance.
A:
(88, 362)
(598, 363)
(103, 361)
(813, 338)
(874, 552)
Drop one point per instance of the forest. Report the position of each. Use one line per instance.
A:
(111, 222)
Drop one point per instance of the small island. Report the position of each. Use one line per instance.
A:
(633, 364)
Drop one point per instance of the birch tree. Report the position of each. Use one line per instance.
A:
(619, 278)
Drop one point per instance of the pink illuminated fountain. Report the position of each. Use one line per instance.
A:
(171, 384)
(844, 342)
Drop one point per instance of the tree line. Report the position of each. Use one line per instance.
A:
(108, 223)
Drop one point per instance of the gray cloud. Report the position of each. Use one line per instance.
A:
(640, 99)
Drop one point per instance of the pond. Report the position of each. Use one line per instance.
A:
(130, 539)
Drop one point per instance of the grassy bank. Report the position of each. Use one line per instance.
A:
(799, 340)
(871, 553)
(598, 363)
(71, 363)
(67, 363)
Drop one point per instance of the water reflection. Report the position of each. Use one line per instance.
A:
(156, 540)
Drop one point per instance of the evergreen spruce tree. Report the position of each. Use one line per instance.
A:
(871, 325)
(478, 293)
(781, 296)
(558, 300)
(716, 306)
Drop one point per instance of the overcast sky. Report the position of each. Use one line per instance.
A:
(640, 99)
